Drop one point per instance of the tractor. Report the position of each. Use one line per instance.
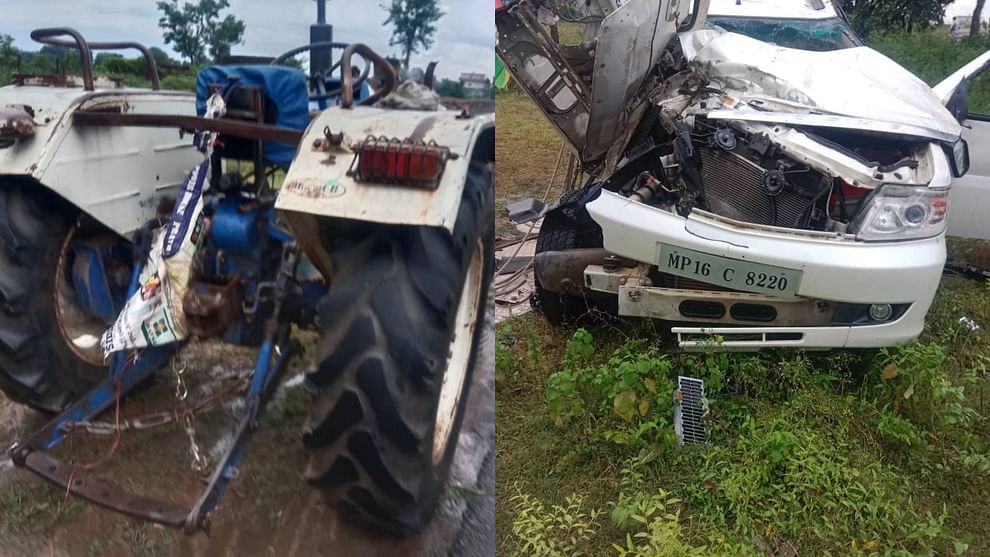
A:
(370, 225)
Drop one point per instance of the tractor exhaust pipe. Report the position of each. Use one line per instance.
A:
(320, 32)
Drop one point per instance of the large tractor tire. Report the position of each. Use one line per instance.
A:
(39, 365)
(401, 327)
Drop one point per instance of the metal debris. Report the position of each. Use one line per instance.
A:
(690, 410)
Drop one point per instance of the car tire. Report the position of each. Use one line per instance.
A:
(560, 231)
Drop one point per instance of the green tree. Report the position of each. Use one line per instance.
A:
(450, 88)
(881, 16)
(8, 58)
(194, 29)
(293, 62)
(161, 57)
(412, 25)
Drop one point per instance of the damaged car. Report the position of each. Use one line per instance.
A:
(765, 194)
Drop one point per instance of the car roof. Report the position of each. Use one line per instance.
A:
(776, 9)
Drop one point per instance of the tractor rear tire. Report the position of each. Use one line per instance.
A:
(38, 367)
(401, 328)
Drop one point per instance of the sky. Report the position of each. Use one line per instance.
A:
(464, 41)
(959, 7)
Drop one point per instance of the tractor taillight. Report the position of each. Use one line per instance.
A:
(394, 161)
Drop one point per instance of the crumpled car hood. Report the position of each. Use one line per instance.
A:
(856, 88)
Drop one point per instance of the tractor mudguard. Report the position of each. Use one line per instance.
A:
(322, 180)
(114, 174)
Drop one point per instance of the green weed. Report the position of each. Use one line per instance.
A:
(560, 531)
(633, 388)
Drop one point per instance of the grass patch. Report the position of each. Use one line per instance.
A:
(933, 56)
(526, 148)
(868, 452)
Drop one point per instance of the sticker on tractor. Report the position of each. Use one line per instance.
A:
(153, 315)
(314, 190)
(158, 329)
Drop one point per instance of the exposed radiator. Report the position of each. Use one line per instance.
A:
(734, 189)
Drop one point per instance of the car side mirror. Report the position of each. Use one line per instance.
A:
(958, 104)
(959, 158)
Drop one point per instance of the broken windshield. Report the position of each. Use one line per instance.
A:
(804, 34)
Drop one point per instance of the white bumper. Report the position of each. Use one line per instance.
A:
(835, 269)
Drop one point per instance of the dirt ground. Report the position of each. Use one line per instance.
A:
(268, 510)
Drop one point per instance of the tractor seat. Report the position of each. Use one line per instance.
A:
(284, 100)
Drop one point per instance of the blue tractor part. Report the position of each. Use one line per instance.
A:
(285, 99)
(98, 292)
(244, 246)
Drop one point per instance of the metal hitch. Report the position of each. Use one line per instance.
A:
(31, 454)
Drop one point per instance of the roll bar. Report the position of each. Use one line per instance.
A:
(347, 83)
(47, 36)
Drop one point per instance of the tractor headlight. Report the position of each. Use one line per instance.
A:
(903, 213)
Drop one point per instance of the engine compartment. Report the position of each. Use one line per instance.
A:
(682, 117)
(714, 143)
(751, 173)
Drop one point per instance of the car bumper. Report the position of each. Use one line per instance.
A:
(835, 270)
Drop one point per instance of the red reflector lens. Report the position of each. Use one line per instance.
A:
(400, 162)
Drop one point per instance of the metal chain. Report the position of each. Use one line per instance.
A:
(179, 368)
(238, 383)
(199, 463)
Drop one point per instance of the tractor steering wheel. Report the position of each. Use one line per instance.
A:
(348, 81)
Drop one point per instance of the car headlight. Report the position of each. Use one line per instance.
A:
(903, 213)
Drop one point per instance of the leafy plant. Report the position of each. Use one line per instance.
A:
(633, 387)
(505, 364)
(560, 531)
(652, 520)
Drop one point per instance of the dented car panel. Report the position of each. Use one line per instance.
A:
(592, 93)
(767, 78)
(629, 45)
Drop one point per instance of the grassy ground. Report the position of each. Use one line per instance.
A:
(526, 151)
(843, 452)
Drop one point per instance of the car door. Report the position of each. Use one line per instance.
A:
(966, 93)
(590, 90)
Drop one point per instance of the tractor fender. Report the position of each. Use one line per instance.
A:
(320, 183)
(116, 175)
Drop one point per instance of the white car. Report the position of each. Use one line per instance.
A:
(772, 196)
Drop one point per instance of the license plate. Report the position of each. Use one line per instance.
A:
(732, 273)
